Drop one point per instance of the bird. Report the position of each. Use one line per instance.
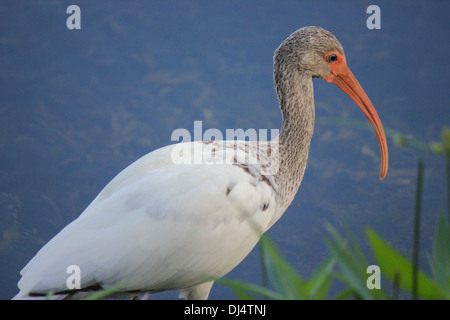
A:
(186, 214)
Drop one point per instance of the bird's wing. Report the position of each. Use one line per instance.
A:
(160, 225)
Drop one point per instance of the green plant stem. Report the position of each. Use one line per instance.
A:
(447, 161)
(416, 235)
(395, 286)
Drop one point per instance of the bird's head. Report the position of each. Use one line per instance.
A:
(315, 52)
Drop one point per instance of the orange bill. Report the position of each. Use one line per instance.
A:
(342, 77)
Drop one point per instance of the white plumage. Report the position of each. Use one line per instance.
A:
(159, 226)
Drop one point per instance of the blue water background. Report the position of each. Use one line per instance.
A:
(78, 106)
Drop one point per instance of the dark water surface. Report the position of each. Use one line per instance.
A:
(78, 106)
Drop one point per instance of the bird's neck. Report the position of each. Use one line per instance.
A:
(296, 99)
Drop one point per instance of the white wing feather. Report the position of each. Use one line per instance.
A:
(158, 226)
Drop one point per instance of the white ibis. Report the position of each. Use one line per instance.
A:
(160, 225)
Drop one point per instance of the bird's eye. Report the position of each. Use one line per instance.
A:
(332, 58)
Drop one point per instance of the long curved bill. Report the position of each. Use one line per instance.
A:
(342, 77)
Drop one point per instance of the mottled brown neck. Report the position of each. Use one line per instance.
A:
(296, 98)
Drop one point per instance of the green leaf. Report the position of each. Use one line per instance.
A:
(392, 263)
(353, 271)
(244, 290)
(355, 246)
(347, 293)
(284, 278)
(440, 260)
(319, 284)
(353, 266)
